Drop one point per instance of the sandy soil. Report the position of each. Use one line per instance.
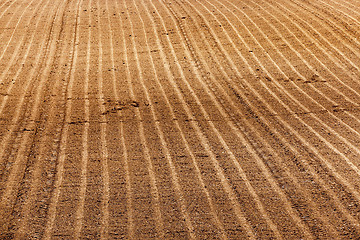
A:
(181, 119)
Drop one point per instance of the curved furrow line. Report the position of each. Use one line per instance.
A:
(355, 149)
(348, 5)
(216, 164)
(344, 210)
(318, 60)
(16, 57)
(64, 131)
(204, 141)
(350, 115)
(159, 224)
(316, 41)
(284, 141)
(206, 146)
(129, 188)
(269, 148)
(311, 68)
(306, 94)
(308, 65)
(9, 6)
(284, 198)
(338, 10)
(328, 164)
(273, 45)
(325, 48)
(259, 160)
(173, 116)
(23, 154)
(5, 2)
(337, 31)
(353, 3)
(289, 174)
(17, 24)
(332, 34)
(104, 229)
(18, 115)
(20, 43)
(354, 167)
(290, 96)
(335, 90)
(249, 125)
(174, 175)
(79, 217)
(354, 9)
(43, 159)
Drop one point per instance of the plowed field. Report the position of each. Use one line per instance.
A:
(179, 119)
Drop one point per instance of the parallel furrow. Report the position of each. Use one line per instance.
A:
(129, 230)
(173, 116)
(164, 145)
(44, 150)
(297, 220)
(18, 114)
(79, 218)
(220, 172)
(225, 74)
(64, 131)
(16, 26)
(179, 119)
(16, 54)
(338, 31)
(27, 141)
(159, 224)
(104, 229)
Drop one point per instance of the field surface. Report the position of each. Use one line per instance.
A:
(179, 119)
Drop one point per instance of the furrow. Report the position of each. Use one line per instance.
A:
(297, 220)
(324, 140)
(332, 131)
(6, 2)
(173, 116)
(104, 229)
(52, 212)
(16, 54)
(336, 30)
(16, 25)
(327, 69)
(325, 48)
(179, 119)
(216, 164)
(85, 138)
(18, 118)
(307, 63)
(41, 159)
(42, 59)
(164, 145)
(348, 6)
(225, 74)
(129, 228)
(274, 153)
(159, 224)
(342, 12)
(27, 142)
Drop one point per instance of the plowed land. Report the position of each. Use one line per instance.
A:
(179, 119)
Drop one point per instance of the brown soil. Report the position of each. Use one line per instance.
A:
(181, 119)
